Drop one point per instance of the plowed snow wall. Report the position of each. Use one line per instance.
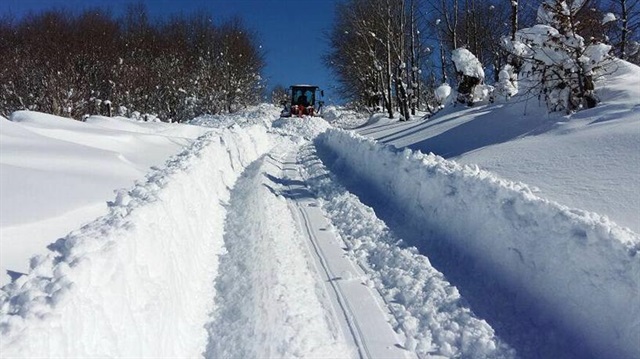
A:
(579, 267)
(138, 282)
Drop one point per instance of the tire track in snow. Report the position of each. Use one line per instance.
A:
(359, 308)
(354, 329)
(267, 302)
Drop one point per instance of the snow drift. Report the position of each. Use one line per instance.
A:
(56, 174)
(137, 282)
(581, 268)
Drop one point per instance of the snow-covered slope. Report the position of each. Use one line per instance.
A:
(576, 267)
(589, 160)
(57, 173)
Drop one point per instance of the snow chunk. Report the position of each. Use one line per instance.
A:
(307, 127)
(609, 17)
(467, 63)
(442, 93)
(343, 118)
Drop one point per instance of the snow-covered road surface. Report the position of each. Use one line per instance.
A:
(267, 302)
(361, 310)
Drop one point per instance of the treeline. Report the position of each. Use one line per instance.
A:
(393, 54)
(92, 63)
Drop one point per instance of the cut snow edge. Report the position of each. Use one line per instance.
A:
(582, 268)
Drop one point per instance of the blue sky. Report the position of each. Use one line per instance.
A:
(290, 31)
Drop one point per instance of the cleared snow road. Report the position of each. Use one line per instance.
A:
(360, 309)
(286, 288)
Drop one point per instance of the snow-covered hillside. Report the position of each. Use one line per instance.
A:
(589, 160)
(253, 236)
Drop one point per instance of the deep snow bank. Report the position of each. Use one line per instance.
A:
(137, 282)
(582, 269)
(300, 129)
(56, 174)
(343, 118)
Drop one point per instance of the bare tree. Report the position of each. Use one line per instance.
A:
(279, 94)
(514, 18)
(626, 32)
(377, 52)
(74, 65)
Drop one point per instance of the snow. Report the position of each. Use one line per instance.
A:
(267, 305)
(507, 85)
(595, 54)
(551, 49)
(538, 36)
(57, 174)
(442, 93)
(589, 160)
(427, 308)
(467, 64)
(517, 238)
(345, 118)
(145, 269)
(514, 235)
(608, 17)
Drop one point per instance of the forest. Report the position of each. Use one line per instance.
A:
(76, 65)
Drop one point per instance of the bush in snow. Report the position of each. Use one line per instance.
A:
(442, 93)
(557, 64)
(507, 85)
(470, 88)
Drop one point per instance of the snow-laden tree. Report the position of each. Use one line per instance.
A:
(279, 94)
(471, 87)
(557, 63)
(507, 85)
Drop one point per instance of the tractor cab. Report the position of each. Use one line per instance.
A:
(303, 101)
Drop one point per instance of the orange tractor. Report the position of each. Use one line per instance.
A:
(303, 101)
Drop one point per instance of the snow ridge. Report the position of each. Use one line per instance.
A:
(583, 269)
(137, 282)
(427, 308)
